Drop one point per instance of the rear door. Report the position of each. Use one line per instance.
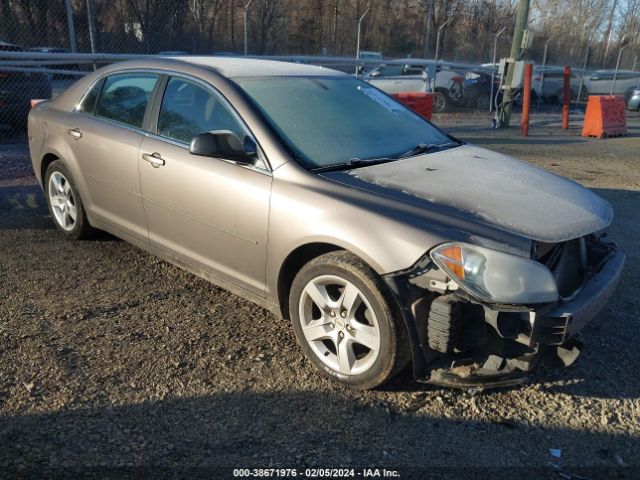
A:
(104, 135)
(207, 212)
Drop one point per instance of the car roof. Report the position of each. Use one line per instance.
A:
(420, 62)
(251, 67)
(409, 61)
(612, 72)
(552, 69)
(9, 47)
(48, 49)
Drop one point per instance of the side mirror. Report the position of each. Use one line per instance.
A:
(224, 144)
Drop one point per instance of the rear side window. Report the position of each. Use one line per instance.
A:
(389, 71)
(188, 109)
(124, 97)
(412, 71)
(88, 104)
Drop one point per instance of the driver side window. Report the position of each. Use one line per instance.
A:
(188, 110)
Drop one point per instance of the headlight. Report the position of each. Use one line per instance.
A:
(494, 276)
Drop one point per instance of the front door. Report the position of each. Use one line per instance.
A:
(208, 212)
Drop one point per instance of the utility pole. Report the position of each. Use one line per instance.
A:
(522, 20)
(244, 21)
(72, 30)
(541, 83)
(609, 31)
(438, 36)
(437, 53)
(92, 34)
(493, 64)
(427, 33)
(615, 73)
(358, 42)
(584, 67)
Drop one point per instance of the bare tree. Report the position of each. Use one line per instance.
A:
(396, 28)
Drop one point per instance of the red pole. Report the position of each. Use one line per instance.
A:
(526, 99)
(566, 94)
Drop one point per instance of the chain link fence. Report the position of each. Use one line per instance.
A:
(195, 27)
(327, 32)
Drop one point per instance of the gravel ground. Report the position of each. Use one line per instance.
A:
(112, 358)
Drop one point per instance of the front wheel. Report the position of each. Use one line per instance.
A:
(346, 322)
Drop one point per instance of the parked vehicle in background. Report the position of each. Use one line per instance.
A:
(626, 81)
(17, 88)
(172, 53)
(48, 50)
(548, 82)
(310, 192)
(477, 90)
(413, 75)
(9, 47)
(371, 56)
(634, 100)
(368, 61)
(56, 67)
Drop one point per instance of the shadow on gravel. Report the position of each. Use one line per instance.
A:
(23, 207)
(212, 434)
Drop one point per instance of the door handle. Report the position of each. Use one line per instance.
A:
(154, 159)
(75, 133)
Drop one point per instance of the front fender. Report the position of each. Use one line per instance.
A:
(306, 209)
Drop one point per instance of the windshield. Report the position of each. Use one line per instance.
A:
(333, 120)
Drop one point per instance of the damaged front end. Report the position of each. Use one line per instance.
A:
(479, 318)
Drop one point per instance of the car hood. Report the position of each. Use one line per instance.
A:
(489, 188)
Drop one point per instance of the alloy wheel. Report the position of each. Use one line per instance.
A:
(339, 324)
(62, 201)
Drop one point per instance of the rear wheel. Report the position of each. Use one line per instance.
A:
(560, 96)
(65, 204)
(584, 95)
(346, 322)
(441, 102)
(484, 101)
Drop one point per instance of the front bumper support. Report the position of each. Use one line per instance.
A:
(567, 319)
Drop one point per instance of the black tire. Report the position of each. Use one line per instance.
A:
(441, 102)
(584, 95)
(483, 102)
(560, 96)
(81, 228)
(394, 352)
